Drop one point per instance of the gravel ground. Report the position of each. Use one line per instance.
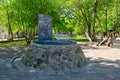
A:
(103, 64)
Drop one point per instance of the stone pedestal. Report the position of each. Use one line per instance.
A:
(63, 58)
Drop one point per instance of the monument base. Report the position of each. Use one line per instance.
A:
(65, 58)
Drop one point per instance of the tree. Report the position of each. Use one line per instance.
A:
(113, 32)
(82, 10)
(86, 17)
(26, 15)
(7, 13)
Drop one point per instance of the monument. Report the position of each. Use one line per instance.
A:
(63, 56)
(44, 27)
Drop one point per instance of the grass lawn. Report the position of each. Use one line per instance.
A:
(23, 43)
(14, 43)
(79, 37)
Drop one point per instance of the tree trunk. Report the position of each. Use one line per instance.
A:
(9, 26)
(89, 29)
(94, 24)
(87, 34)
(115, 34)
(106, 15)
(101, 30)
(106, 20)
(105, 40)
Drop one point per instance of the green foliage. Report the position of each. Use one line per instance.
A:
(68, 15)
(79, 30)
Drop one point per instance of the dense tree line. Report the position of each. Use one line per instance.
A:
(86, 17)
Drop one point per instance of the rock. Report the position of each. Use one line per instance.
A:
(55, 57)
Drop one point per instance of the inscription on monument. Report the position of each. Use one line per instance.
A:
(45, 27)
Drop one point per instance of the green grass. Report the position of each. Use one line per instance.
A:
(14, 43)
(79, 37)
(23, 43)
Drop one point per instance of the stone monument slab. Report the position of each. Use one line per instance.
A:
(44, 27)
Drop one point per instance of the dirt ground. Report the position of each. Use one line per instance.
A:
(103, 64)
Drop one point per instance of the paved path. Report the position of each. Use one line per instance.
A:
(103, 64)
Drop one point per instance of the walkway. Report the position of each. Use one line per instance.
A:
(103, 64)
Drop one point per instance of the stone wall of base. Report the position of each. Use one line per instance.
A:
(54, 57)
